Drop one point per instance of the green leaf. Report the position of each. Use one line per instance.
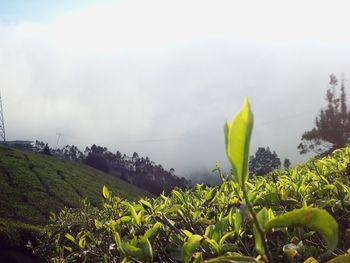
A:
(146, 248)
(262, 217)
(223, 239)
(132, 250)
(105, 192)
(268, 199)
(214, 245)
(237, 138)
(82, 243)
(146, 204)
(186, 232)
(70, 237)
(118, 242)
(231, 259)
(314, 218)
(153, 232)
(237, 221)
(133, 213)
(189, 247)
(69, 249)
(98, 224)
(340, 259)
(219, 229)
(311, 260)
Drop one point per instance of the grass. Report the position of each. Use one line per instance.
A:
(32, 185)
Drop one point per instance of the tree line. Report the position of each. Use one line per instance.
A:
(140, 171)
(331, 132)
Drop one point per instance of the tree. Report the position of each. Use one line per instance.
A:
(263, 162)
(286, 163)
(46, 150)
(97, 162)
(39, 146)
(72, 153)
(332, 129)
(96, 157)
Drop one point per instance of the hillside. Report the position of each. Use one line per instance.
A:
(32, 185)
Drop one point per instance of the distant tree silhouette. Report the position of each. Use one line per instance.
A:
(136, 170)
(46, 150)
(97, 162)
(332, 129)
(96, 157)
(39, 146)
(263, 162)
(71, 152)
(286, 163)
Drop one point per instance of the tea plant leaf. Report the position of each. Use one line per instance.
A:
(238, 219)
(69, 249)
(70, 237)
(313, 218)
(105, 192)
(190, 246)
(237, 138)
(118, 242)
(134, 214)
(219, 229)
(231, 259)
(146, 248)
(82, 243)
(263, 217)
(214, 245)
(146, 204)
(268, 200)
(98, 224)
(311, 260)
(132, 250)
(153, 232)
(340, 259)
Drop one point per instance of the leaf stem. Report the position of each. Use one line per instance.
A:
(256, 223)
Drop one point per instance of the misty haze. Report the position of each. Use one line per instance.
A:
(137, 99)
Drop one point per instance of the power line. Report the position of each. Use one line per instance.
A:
(201, 136)
(216, 133)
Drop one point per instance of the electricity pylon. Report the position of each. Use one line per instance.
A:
(2, 122)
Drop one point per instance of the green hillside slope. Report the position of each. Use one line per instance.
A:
(32, 185)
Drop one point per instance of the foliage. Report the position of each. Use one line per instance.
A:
(19, 235)
(286, 163)
(97, 162)
(32, 185)
(332, 129)
(263, 162)
(46, 150)
(286, 216)
(136, 170)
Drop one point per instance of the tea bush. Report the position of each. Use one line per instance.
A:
(292, 215)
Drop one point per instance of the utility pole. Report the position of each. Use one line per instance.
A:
(58, 138)
(2, 122)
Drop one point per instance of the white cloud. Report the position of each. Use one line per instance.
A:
(120, 74)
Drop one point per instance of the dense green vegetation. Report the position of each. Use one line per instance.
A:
(32, 185)
(291, 215)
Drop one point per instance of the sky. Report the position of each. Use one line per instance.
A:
(161, 77)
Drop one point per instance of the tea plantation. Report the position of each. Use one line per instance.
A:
(32, 185)
(301, 214)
